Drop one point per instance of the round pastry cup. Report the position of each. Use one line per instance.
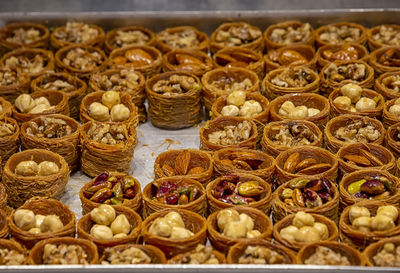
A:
(67, 147)
(31, 52)
(375, 56)
(13, 245)
(346, 199)
(9, 145)
(125, 99)
(178, 258)
(382, 153)
(198, 206)
(256, 45)
(44, 206)
(373, 44)
(36, 254)
(114, 158)
(74, 96)
(223, 243)
(307, 51)
(147, 70)
(280, 209)
(201, 36)
(198, 158)
(254, 60)
(109, 42)
(172, 247)
(269, 44)
(174, 112)
(156, 255)
(386, 92)
(359, 239)
(12, 91)
(95, 42)
(3, 199)
(269, 147)
(327, 85)
(319, 154)
(322, 61)
(85, 224)
(170, 62)
(362, 40)
(219, 124)
(266, 173)
(57, 99)
(333, 144)
(81, 73)
(238, 250)
(374, 248)
(392, 143)
(263, 204)
(368, 93)
(354, 256)
(306, 99)
(273, 91)
(211, 92)
(21, 188)
(260, 119)
(3, 224)
(287, 221)
(41, 42)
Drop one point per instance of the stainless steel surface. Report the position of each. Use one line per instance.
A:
(153, 141)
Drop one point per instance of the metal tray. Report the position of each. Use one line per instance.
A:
(153, 141)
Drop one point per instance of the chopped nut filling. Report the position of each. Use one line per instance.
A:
(76, 32)
(134, 37)
(387, 35)
(59, 85)
(11, 257)
(232, 134)
(181, 39)
(291, 34)
(229, 84)
(293, 77)
(64, 254)
(201, 255)
(326, 256)
(358, 131)
(49, 128)
(8, 77)
(388, 256)
(175, 85)
(125, 80)
(6, 129)
(24, 36)
(340, 34)
(31, 65)
(108, 134)
(292, 134)
(392, 82)
(131, 255)
(237, 35)
(82, 59)
(355, 72)
(260, 255)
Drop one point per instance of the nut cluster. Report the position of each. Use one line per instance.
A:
(108, 134)
(237, 105)
(24, 36)
(340, 34)
(124, 80)
(237, 35)
(26, 104)
(388, 256)
(8, 77)
(130, 255)
(49, 128)
(244, 161)
(109, 109)
(385, 218)
(288, 109)
(32, 168)
(358, 131)
(293, 77)
(352, 99)
(11, 257)
(26, 64)
(58, 85)
(200, 255)
(166, 192)
(235, 225)
(363, 159)
(355, 72)
(229, 84)
(134, 58)
(6, 129)
(307, 166)
(181, 166)
(77, 32)
(175, 85)
(170, 226)
(287, 57)
(260, 255)
(326, 256)
(291, 34)
(345, 52)
(130, 37)
(179, 39)
(27, 220)
(387, 35)
(375, 187)
(82, 59)
(64, 254)
(232, 134)
(292, 134)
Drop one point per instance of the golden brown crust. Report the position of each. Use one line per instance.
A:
(9, 145)
(371, 250)
(382, 88)
(201, 36)
(307, 51)
(372, 43)
(109, 42)
(43, 206)
(156, 255)
(362, 40)
(362, 52)
(3, 198)
(376, 56)
(41, 42)
(172, 63)
(12, 91)
(3, 222)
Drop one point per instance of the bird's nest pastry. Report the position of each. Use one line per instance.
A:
(182, 37)
(126, 36)
(291, 55)
(9, 138)
(342, 52)
(12, 84)
(341, 33)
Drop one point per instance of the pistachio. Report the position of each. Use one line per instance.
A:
(250, 188)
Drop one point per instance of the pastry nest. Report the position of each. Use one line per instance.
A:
(109, 41)
(10, 92)
(170, 62)
(201, 36)
(156, 255)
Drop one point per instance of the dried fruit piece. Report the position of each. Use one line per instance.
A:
(355, 186)
(305, 163)
(182, 162)
(372, 187)
(315, 169)
(139, 57)
(357, 159)
(291, 162)
(374, 160)
(196, 170)
(168, 170)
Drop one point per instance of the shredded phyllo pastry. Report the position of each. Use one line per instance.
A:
(181, 39)
(232, 134)
(358, 131)
(340, 34)
(293, 77)
(387, 35)
(11, 257)
(64, 254)
(108, 134)
(8, 77)
(24, 36)
(125, 38)
(392, 82)
(229, 84)
(125, 80)
(27, 64)
(49, 128)
(388, 256)
(201, 255)
(260, 255)
(82, 59)
(6, 129)
(131, 255)
(291, 34)
(175, 85)
(326, 256)
(355, 71)
(77, 32)
(292, 134)
(58, 85)
(170, 226)
(237, 35)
